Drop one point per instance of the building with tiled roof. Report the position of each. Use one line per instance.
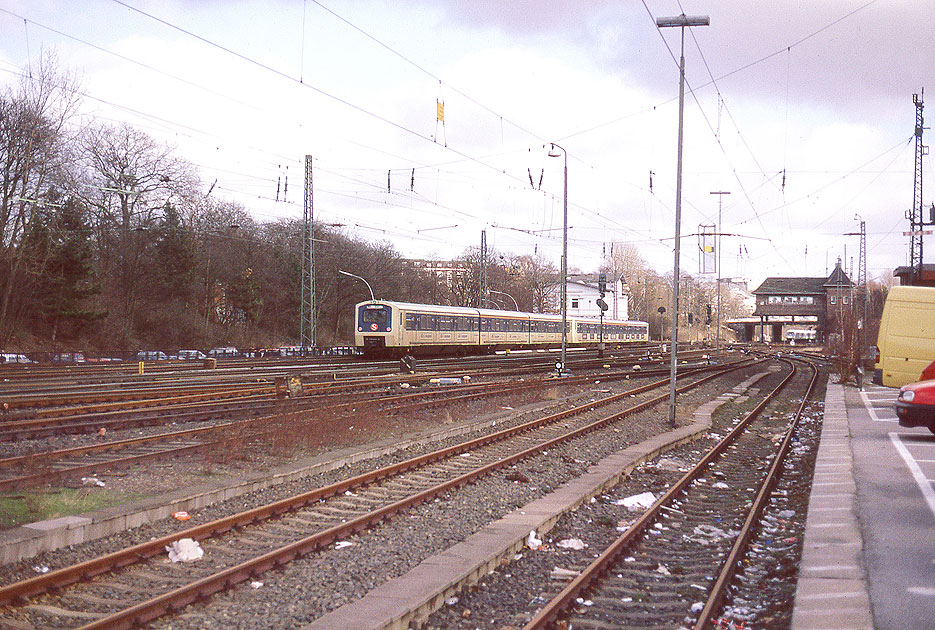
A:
(784, 304)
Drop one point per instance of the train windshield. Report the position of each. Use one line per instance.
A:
(373, 316)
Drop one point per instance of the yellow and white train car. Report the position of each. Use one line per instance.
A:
(396, 328)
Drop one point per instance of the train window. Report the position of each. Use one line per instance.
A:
(373, 316)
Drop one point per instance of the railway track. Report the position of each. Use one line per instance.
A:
(689, 544)
(278, 533)
(266, 418)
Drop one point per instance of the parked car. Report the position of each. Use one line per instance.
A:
(223, 352)
(12, 357)
(928, 374)
(915, 406)
(151, 355)
(189, 355)
(68, 357)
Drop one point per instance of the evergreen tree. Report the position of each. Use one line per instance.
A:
(61, 251)
(174, 259)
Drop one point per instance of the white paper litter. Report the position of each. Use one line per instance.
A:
(256, 584)
(571, 543)
(341, 544)
(92, 481)
(532, 542)
(640, 501)
(185, 550)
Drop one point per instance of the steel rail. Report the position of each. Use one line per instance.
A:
(173, 601)
(46, 476)
(728, 569)
(597, 569)
(20, 592)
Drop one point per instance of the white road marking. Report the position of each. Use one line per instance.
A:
(872, 411)
(924, 485)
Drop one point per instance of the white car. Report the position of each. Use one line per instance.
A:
(12, 357)
(224, 351)
(186, 355)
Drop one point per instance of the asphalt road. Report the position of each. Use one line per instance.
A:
(895, 475)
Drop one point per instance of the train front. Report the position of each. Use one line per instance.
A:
(374, 331)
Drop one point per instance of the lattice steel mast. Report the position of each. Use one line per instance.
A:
(307, 308)
(915, 215)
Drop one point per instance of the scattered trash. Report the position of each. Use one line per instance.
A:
(662, 570)
(451, 601)
(185, 550)
(571, 543)
(720, 485)
(697, 607)
(466, 378)
(102, 431)
(348, 493)
(181, 516)
(637, 368)
(786, 514)
(92, 481)
(466, 613)
(626, 600)
(256, 584)
(558, 573)
(40, 568)
(447, 380)
(709, 534)
(640, 501)
(532, 542)
(584, 602)
(404, 385)
(506, 408)
(517, 477)
(341, 544)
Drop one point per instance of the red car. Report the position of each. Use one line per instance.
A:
(915, 406)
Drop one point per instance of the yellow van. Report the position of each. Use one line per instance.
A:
(906, 342)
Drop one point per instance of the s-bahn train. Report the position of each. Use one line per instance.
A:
(387, 328)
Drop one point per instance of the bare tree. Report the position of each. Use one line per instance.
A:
(129, 180)
(34, 153)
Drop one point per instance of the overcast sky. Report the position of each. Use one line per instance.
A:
(803, 111)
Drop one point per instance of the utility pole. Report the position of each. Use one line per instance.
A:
(483, 269)
(681, 21)
(307, 307)
(717, 262)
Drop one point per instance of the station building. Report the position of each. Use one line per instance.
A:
(798, 304)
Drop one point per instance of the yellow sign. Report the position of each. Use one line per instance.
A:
(441, 110)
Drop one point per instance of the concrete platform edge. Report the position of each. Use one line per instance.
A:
(832, 591)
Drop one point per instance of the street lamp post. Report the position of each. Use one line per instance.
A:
(680, 21)
(372, 299)
(515, 305)
(564, 292)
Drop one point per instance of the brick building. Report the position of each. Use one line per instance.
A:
(784, 304)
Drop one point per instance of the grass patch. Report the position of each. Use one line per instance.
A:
(28, 507)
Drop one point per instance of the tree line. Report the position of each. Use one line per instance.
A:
(109, 243)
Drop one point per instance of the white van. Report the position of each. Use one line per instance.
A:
(906, 342)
